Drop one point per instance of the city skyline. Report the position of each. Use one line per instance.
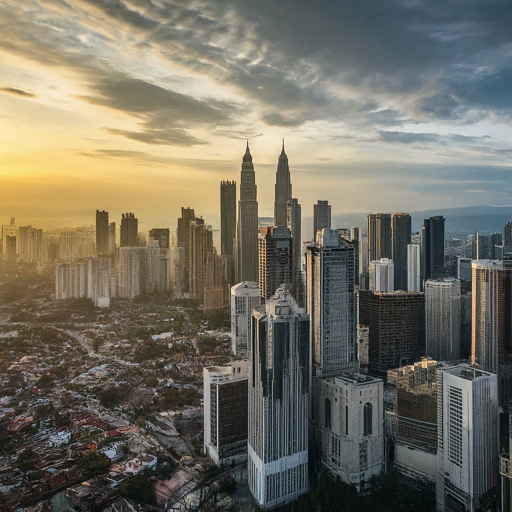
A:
(155, 104)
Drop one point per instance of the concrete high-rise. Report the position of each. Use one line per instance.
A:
(382, 275)
(283, 190)
(442, 318)
(30, 244)
(468, 439)
(507, 241)
(183, 237)
(491, 336)
(162, 236)
(331, 303)
(247, 227)
(432, 248)
(279, 402)
(71, 280)
(396, 323)
(321, 217)
(99, 275)
(414, 268)
(112, 238)
(129, 230)
(245, 297)
(102, 233)
(10, 240)
(225, 413)
(293, 222)
(228, 227)
(276, 260)
(379, 236)
(401, 239)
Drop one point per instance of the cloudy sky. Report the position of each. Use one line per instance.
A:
(145, 105)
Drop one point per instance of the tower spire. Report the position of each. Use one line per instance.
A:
(282, 152)
(247, 156)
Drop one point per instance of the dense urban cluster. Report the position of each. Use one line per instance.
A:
(350, 369)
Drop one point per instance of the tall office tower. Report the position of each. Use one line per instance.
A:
(464, 272)
(356, 235)
(293, 222)
(495, 240)
(468, 439)
(71, 280)
(129, 230)
(382, 274)
(416, 412)
(442, 318)
(452, 246)
(283, 190)
(491, 330)
(363, 263)
(507, 242)
(276, 261)
(228, 227)
(112, 238)
(183, 233)
(129, 272)
(397, 328)
(483, 247)
(414, 268)
(225, 412)
(401, 238)
(278, 401)
(321, 217)
(432, 248)
(99, 274)
(506, 471)
(244, 298)
(247, 227)
(347, 416)
(379, 236)
(30, 244)
(363, 347)
(150, 268)
(10, 240)
(102, 233)
(331, 303)
(162, 236)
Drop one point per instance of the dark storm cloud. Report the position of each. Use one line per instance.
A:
(17, 92)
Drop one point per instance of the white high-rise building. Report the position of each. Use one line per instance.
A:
(414, 268)
(225, 412)
(129, 272)
(279, 401)
(244, 298)
(382, 275)
(331, 303)
(99, 277)
(348, 414)
(442, 318)
(71, 280)
(468, 439)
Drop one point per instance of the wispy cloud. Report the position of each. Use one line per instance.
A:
(17, 92)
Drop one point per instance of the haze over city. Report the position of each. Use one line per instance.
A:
(384, 106)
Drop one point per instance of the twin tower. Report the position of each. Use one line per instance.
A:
(247, 264)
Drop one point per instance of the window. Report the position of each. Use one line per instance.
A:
(367, 419)
(327, 413)
(346, 420)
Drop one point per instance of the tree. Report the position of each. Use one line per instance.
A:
(93, 463)
(139, 488)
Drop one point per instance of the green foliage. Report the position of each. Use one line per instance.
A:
(172, 398)
(22, 316)
(207, 344)
(220, 319)
(148, 350)
(386, 494)
(113, 396)
(94, 463)
(45, 382)
(139, 488)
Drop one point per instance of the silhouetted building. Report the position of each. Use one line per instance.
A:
(293, 222)
(228, 227)
(321, 217)
(379, 236)
(129, 230)
(396, 322)
(401, 239)
(162, 236)
(283, 190)
(112, 238)
(432, 248)
(102, 233)
(183, 233)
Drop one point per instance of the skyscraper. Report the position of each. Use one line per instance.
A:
(321, 217)
(228, 226)
(99, 281)
(293, 222)
(379, 236)
(183, 236)
(432, 247)
(247, 227)
(10, 239)
(112, 238)
(491, 336)
(396, 323)
(245, 297)
(331, 303)
(442, 318)
(468, 439)
(382, 275)
(483, 247)
(129, 230)
(102, 232)
(508, 236)
(276, 260)
(283, 190)
(162, 236)
(414, 268)
(279, 401)
(401, 238)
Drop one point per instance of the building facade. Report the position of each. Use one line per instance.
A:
(414, 268)
(321, 217)
(379, 236)
(432, 248)
(401, 239)
(283, 190)
(244, 298)
(129, 230)
(382, 275)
